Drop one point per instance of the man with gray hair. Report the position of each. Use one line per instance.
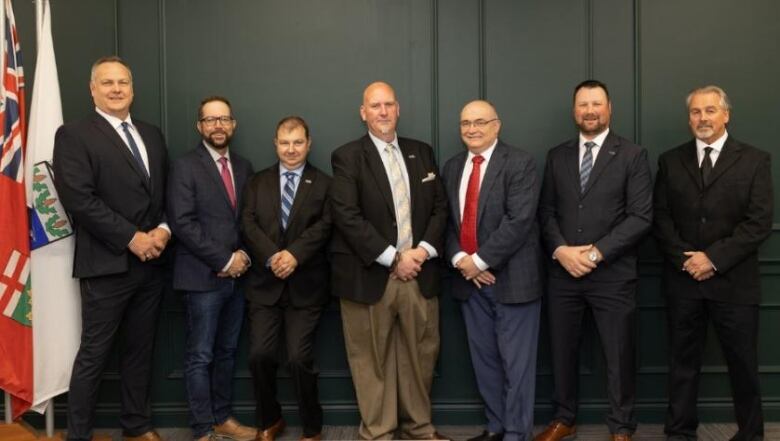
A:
(713, 208)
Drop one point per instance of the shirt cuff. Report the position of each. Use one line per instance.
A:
(430, 249)
(479, 262)
(387, 257)
(248, 259)
(230, 262)
(164, 226)
(456, 258)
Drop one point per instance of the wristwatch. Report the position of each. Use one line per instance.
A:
(593, 256)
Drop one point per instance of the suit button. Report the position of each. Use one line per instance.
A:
(394, 224)
(703, 220)
(579, 230)
(579, 206)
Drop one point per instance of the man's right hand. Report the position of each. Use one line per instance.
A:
(574, 259)
(144, 246)
(407, 267)
(237, 267)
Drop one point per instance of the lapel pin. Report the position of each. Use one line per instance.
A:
(411, 156)
(308, 181)
(612, 152)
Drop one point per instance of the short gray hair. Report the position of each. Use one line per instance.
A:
(109, 59)
(724, 99)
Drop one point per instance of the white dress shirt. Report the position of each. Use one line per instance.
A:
(717, 147)
(598, 140)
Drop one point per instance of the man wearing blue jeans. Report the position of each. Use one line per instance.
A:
(204, 194)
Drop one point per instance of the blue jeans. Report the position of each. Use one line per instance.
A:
(213, 320)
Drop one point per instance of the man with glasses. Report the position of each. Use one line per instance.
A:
(205, 187)
(596, 206)
(493, 242)
(286, 223)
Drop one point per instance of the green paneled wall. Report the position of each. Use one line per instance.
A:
(313, 58)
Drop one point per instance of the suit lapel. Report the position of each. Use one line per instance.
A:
(123, 149)
(572, 160)
(607, 153)
(305, 185)
(240, 177)
(378, 171)
(690, 162)
(212, 171)
(496, 164)
(415, 175)
(730, 153)
(453, 188)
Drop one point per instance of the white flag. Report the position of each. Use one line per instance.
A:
(56, 304)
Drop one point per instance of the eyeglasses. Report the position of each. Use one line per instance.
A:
(478, 123)
(211, 121)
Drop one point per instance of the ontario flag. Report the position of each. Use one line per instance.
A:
(16, 336)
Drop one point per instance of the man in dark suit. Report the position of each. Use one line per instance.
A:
(204, 189)
(493, 240)
(596, 206)
(713, 208)
(286, 222)
(390, 211)
(110, 172)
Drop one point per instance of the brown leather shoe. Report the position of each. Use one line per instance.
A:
(621, 437)
(207, 437)
(316, 437)
(435, 436)
(270, 433)
(557, 431)
(148, 436)
(234, 430)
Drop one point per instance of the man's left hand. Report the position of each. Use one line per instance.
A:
(468, 269)
(161, 236)
(698, 265)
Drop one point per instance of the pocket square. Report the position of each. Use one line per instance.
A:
(431, 176)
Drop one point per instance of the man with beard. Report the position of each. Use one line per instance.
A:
(713, 205)
(596, 206)
(204, 193)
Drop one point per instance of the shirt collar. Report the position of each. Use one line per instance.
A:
(114, 121)
(214, 154)
(599, 140)
(486, 154)
(298, 171)
(380, 144)
(717, 145)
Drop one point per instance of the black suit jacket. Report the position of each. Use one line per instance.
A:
(306, 237)
(507, 228)
(106, 192)
(727, 220)
(206, 226)
(364, 217)
(613, 213)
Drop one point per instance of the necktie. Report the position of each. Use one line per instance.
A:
(134, 148)
(587, 165)
(706, 166)
(468, 225)
(401, 196)
(227, 180)
(288, 196)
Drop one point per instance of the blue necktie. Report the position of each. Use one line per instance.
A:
(587, 165)
(134, 149)
(288, 195)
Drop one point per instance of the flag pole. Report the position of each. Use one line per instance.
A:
(8, 415)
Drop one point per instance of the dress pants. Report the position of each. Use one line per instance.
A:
(614, 311)
(736, 327)
(392, 346)
(126, 304)
(503, 339)
(213, 324)
(270, 325)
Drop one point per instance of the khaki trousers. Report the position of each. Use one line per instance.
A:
(392, 348)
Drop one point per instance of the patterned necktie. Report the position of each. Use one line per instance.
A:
(587, 165)
(706, 166)
(134, 148)
(227, 180)
(288, 196)
(401, 196)
(468, 225)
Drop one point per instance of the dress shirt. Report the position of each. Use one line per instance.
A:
(116, 123)
(283, 179)
(717, 147)
(598, 140)
(464, 184)
(388, 255)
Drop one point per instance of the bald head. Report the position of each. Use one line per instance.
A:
(380, 110)
(479, 125)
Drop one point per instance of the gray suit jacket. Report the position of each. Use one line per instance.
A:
(507, 229)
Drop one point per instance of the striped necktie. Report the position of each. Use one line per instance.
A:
(587, 165)
(401, 198)
(288, 196)
(134, 148)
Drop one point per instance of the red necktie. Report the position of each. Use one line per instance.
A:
(468, 225)
(227, 180)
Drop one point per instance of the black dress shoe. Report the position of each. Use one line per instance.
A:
(488, 436)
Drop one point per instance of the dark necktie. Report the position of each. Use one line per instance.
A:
(227, 180)
(706, 166)
(587, 165)
(468, 225)
(288, 196)
(134, 149)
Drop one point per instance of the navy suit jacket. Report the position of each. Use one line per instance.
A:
(507, 228)
(727, 219)
(106, 192)
(613, 213)
(200, 215)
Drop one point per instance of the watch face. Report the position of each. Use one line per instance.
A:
(592, 256)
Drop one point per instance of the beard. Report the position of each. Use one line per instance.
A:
(590, 130)
(704, 132)
(219, 144)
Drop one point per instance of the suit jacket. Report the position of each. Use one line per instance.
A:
(106, 192)
(613, 213)
(364, 217)
(306, 237)
(727, 219)
(200, 215)
(507, 228)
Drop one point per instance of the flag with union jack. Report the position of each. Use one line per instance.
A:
(16, 367)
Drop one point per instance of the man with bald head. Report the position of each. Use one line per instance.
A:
(389, 213)
(493, 243)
